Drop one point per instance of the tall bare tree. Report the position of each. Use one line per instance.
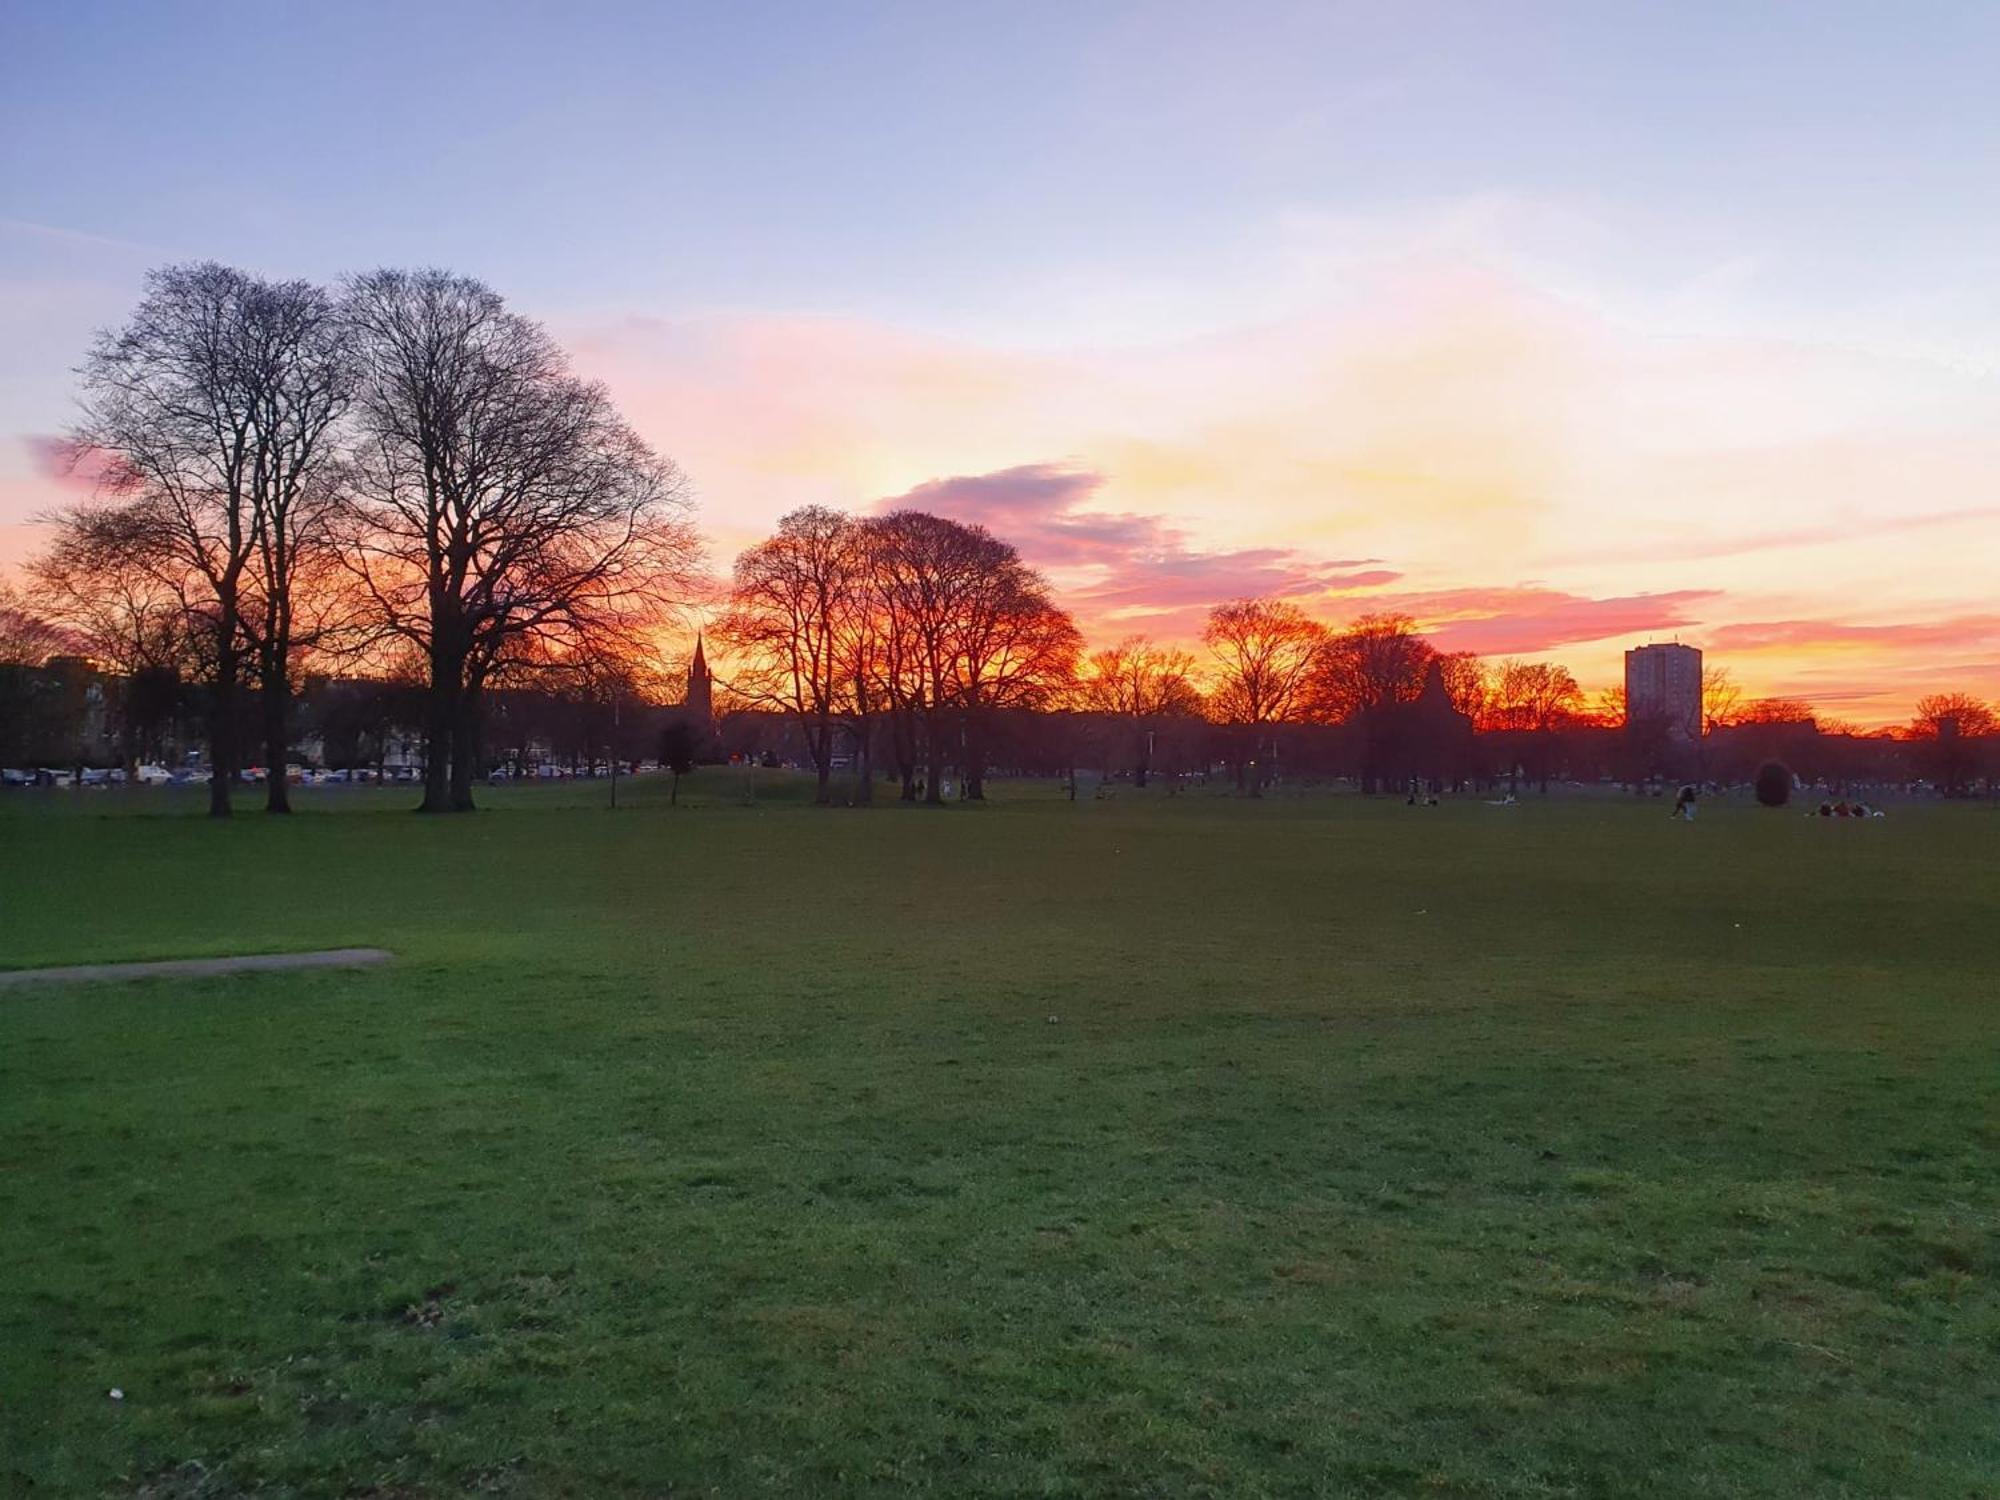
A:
(1265, 651)
(922, 570)
(1532, 701)
(1953, 731)
(965, 630)
(501, 511)
(212, 410)
(1013, 647)
(793, 607)
(1376, 661)
(901, 633)
(1140, 683)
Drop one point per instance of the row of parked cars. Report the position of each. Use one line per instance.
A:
(64, 776)
(93, 776)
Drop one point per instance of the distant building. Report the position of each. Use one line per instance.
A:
(697, 708)
(698, 703)
(1425, 744)
(1663, 686)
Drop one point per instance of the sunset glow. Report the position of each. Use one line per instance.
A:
(1633, 357)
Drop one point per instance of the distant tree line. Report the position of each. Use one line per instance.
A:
(387, 511)
(930, 644)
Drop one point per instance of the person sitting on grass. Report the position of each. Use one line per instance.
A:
(1684, 804)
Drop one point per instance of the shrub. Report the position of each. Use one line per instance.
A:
(1774, 784)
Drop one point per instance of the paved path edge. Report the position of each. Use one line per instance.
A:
(198, 968)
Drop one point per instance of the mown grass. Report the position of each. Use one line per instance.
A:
(1146, 1146)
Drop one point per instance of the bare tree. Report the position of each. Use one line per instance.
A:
(1265, 651)
(212, 410)
(793, 610)
(863, 661)
(1362, 675)
(502, 512)
(1014, 647)
(1140, 684)
(899, 633)
(96, 578)
(1376, 661)
(1469, 682)
(922, 571)
(1531, 702)
(1720, 698)
(28, 637)
(1950, 729)
(1776, 711)
(963, 630)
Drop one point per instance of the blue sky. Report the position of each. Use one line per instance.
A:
(1079, 185)
(889, 158)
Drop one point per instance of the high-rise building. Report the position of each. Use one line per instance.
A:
(1663, 684)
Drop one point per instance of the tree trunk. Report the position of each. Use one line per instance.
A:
(973, 749)
(438, 719)
(222, 730)
(821, 742)
(128, 736)
(864, 766)
(465, 747)
(934, 793)
(277, 795)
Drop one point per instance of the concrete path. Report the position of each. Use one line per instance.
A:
(198, 968)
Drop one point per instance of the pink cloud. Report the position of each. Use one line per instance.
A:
(1124, 570)
(1957, 633)
(1034, 507)
(1509, 621)
(60, 462)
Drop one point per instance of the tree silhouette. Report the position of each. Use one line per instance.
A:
(502, 511)
(1139, 684)
(1265, 651)
(793, 603)
(212, 413)
(1949, 727)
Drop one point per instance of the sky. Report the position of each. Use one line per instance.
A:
(1562, 327)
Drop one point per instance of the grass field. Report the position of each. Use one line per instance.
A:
(1184, 1146)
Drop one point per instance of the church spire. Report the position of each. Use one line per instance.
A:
(699, 701)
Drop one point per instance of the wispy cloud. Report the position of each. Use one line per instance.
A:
(1526, 620)
(1957, 633)
(1126, 570)
(1846, 531)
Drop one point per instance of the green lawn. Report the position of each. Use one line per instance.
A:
(1149, 1146)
